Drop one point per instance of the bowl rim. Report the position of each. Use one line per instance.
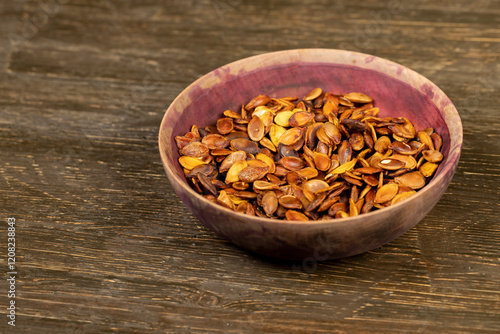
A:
(454, 137)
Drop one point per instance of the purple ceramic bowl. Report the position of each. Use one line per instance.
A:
(397, 91)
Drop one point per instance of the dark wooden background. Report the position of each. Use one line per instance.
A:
(104, 246)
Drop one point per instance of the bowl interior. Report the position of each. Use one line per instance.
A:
(392, 96)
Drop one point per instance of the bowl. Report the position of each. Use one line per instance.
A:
(396, 90)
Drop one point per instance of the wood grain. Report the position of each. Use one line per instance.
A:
(105, 246)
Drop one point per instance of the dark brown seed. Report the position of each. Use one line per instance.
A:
(345, 152)
(287, 151)
(245, 145)
(206, 184)
(311, 137)
(316, 203)
(352, 180)
(354, 125)
(328, 202)
(205, 169)
(182, 141)
(437, 141)
(293, 177)
(368, 139)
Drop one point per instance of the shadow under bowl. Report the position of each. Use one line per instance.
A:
(396, 90)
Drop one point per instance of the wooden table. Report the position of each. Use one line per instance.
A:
(103, 245)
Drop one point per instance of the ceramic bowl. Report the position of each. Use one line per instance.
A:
(396, 90)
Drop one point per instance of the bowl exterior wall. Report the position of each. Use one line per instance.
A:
(396, 90)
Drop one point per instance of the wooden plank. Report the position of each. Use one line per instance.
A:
(105, 246)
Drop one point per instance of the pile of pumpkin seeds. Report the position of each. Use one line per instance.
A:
(325, 156)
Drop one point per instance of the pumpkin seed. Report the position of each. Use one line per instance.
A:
(314, 94)
(358, 98)
(414, 180)
(428, 168)
(234, 171)
(432, 156)
(295, 215)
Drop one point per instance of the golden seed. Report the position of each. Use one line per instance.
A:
(190, 162)
(314, 94)
(225, 200)
(402, 196)
(345, 167)
(282, 118)
(386, 193)
(308, 173)
(268, 161)
(234, 171)
(275, 133)
(358, 98)
(428, 168)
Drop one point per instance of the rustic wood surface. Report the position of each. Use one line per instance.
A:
(104, 246)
